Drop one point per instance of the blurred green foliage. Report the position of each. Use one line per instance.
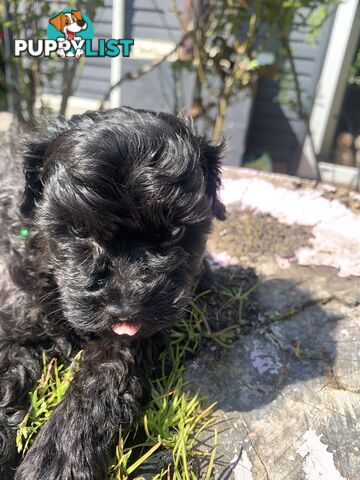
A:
(231, 41)
(354, 72)
(24, 78)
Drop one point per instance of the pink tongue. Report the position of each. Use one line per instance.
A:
(125, 328)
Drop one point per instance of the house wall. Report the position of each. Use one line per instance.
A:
(95, 78)
(154, 19)
(150, 19)
(276, 128)
(272, 127)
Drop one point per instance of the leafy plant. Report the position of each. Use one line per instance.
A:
(26, 78)
(226, 45)
(229, 41)
(48, 393)
(354, 71)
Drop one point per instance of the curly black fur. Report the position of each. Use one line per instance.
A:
(118, 206)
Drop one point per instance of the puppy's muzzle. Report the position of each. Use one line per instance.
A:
(120, 312)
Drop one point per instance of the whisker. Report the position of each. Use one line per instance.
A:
(47, 295)
(55, 311)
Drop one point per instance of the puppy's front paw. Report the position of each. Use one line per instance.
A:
(39, 467)
(53, 457)
(79, 53)
(8, 453)
(41, 463)
(47, 466)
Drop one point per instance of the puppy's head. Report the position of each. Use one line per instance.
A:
(123, 201)
(69, 23)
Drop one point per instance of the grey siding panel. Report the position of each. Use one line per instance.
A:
(103, 15)
(95, 87)
(92, 87)
(299, 37)
(143, 19)
(164, 5)
(304, 51)
(95, 79)
(152, 19)
(157, 19)
(100, 63)
(154, 90)
(305, 66)
(92, 72)
(101, 11)
(155, 33)
(273, 127)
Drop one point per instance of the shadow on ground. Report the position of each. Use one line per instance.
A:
(284, 336)
(284, 377)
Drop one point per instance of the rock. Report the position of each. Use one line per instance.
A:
(6, 120)
(288, 392)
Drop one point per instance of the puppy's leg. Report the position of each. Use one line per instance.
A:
(205, 278)
(19, 370)
(79, 51)
(78, 439)
(61, 53)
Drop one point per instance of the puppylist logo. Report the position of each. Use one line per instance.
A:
(71, 34)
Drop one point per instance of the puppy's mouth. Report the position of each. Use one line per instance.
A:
(69, 34)
(125, 327)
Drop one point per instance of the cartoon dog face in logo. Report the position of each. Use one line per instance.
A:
(69, 24)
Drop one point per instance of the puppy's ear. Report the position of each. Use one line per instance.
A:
(58, 22)
(77, 14)
(33, 154)
(211, 161)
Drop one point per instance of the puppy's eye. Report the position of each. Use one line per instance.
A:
(174, 236)
(177, 233)
(79, 231)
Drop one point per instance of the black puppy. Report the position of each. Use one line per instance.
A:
(115, 209)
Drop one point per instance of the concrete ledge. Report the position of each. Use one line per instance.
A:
(288, 392)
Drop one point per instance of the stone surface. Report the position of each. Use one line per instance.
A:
(6, 119)
(288, 392)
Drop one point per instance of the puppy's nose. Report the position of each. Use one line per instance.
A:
(81, 23)
(121, 312)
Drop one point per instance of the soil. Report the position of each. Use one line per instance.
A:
(258, 235)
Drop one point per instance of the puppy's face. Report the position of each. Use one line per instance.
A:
(72, 24)
(69, 23)
(125, 211)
